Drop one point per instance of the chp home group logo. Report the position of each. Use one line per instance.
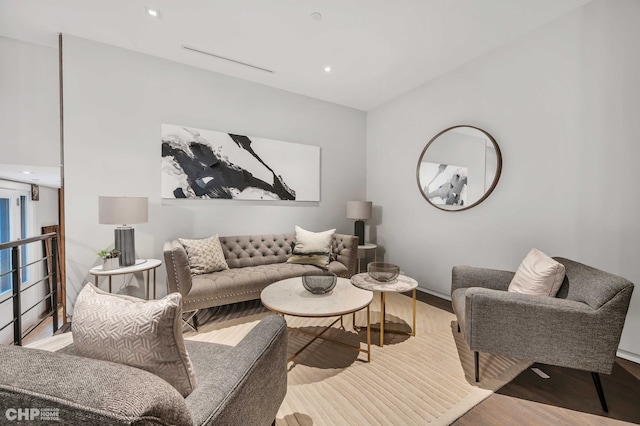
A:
(32, 414)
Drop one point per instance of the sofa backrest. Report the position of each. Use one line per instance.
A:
(254, 250)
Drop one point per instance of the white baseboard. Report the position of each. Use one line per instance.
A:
(629, 356)
(434, 293)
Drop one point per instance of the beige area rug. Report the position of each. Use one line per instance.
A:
(426, 379)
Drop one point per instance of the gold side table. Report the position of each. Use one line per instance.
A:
(401, 284)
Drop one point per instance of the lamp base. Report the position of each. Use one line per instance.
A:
(125, 242)
(358, 231)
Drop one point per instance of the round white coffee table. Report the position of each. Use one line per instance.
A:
(399, 285)
(289, 297)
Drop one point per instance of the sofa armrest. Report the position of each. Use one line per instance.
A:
(541, 328)
(178, 270)
(246, 384)
(463, 276)
(86, 391)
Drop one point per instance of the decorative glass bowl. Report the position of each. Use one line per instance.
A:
(319, 282)
(383, 272)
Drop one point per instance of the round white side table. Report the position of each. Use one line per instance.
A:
(362, 253)
(399, 285)
(141, 265)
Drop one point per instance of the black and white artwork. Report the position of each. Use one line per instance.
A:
(444, 184)
(208, 164)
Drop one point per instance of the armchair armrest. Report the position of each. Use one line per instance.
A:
(463, 276)
(247, 383)
(545, 329)
(178, 270)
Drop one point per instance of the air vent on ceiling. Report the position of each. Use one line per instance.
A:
(227, 59)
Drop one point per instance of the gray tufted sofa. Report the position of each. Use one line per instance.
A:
(255, 261)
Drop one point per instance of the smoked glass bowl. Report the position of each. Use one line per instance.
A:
(383, 272)
(319, 282)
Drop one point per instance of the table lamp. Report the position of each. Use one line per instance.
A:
(359, 210)
(123, 211)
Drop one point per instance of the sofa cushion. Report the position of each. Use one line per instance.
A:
(538, 274)
(237, 284)
(205, 255)
(312, 248)
(135, 332)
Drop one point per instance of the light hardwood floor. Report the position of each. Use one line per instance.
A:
(568, 397)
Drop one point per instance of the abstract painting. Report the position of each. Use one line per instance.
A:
(208, 164)
(444, 184)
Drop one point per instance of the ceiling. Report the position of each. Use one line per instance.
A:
(377, 49)
(45, 176)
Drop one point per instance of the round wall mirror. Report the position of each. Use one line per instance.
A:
(459, 168)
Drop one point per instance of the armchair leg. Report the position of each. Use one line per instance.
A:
(458, 327)
(476, 358)
(596, 381)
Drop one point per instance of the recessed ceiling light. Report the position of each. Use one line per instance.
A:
(26, 172)
(153, 12)
(327, 68)
(316, 16)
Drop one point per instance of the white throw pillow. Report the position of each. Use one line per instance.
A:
(538, 274)
(312, 248)
(204, 255)
(135, 332)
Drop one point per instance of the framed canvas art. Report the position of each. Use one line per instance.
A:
(209, 164)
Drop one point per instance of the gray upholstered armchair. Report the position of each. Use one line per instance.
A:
(579, 328)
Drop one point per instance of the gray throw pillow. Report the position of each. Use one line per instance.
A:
(204, 255)
(139, 333)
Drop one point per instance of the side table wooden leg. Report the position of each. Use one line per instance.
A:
(96, 281)
(109, 283)
(154, 283)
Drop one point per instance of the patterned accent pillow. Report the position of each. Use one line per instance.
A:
(312, 248)
(205, 255)
(135, 332)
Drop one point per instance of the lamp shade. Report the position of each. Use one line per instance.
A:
(122, 210)
(359, 209)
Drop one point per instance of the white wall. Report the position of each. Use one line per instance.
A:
(115, 102)
(563, 104)
(29, 106)
(41, 213)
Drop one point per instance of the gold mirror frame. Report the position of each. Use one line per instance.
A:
(487, 192)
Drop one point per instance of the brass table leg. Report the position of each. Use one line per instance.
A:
(96, 281)
(368, 333)
(147, 293)
(154, 289)
(413, 331)
(109, 283)
(382, 317)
